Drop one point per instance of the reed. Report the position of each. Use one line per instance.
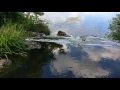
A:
(12, 40)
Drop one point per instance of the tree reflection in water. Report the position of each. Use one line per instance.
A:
(30, 67)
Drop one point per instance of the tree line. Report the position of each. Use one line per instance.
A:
(15, 27)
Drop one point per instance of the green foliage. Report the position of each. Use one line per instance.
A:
(41, 27)
(115, 28)
(29, 22)
(14, 26)
(6, 17)
(35, 24)
(36, 14)
(12, 39)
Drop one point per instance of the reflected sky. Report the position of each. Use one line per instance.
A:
(90, 61)
(85, 62)
(96, 54)
(80, 23)
(74, 58)
(84, 68)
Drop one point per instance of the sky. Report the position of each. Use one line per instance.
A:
(80, 23)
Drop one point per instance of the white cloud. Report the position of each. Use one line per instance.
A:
(107, 52)
(84, 68)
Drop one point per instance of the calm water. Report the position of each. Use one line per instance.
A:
(80, 23)
(67, 60)
(71, 58)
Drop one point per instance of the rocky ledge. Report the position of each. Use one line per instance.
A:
(4, 63)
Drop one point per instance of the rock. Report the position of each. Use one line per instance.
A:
(37, 35)
(94, 35)
(61, 33)
(33, 34)
(5, 62)
(42, 35)
(34, 45)
(83, 37)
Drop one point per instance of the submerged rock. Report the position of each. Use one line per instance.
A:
(5, 62)
(83, 38)
(33, 45)
(33, 34)
(87, 38)
(37, 35)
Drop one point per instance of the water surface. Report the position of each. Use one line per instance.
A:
(80, 23)
(67, 60)
(71, 58)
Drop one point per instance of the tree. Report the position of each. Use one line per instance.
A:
(28, 21)
(115, 28)
(36, 14)
(13, 17)
(38, 25)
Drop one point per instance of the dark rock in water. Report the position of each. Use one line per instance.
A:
(61, 33)
(38, 35)
(33, 34)
(42, 35)
(33, 45)
(83, 37)
(94, 35)
(5, 62)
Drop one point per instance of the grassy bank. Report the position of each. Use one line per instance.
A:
(12, 39)
(15, 27)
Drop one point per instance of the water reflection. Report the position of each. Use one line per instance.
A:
(66, 61)
(83, 68)
(93, 58)
(80, 64)
(31, 66)
(80, 23)
(72, 19)
(63, 50)
(90, 57)
(97, 53)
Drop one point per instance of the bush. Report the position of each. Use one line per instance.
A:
(28, 23)
(40, 26)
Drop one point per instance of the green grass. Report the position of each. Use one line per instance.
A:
(12, 39)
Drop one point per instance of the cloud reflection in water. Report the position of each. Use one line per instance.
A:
(84, 68)
(95, 54)
(88, 66)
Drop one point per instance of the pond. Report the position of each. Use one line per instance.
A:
(80, 23)
(96, 57)
(66, 59)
